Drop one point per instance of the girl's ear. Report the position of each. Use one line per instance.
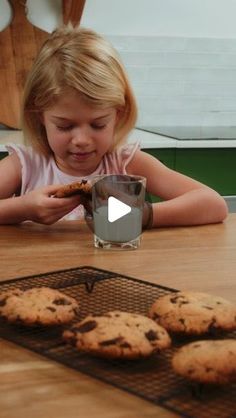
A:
(119, 113)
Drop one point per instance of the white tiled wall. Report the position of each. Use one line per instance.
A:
(184, 86)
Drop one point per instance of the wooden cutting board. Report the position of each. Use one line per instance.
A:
(72, 11)
(19, 44)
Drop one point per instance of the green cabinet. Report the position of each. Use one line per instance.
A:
(165, 155)
(215, 167)
(3, 154)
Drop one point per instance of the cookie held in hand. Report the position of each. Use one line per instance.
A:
(194, 313)
(82, 188)
(37, 306)
(209, 361)
(118, 334)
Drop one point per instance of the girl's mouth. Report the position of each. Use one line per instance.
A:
(81, 156)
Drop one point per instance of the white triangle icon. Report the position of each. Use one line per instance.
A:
(116, 209)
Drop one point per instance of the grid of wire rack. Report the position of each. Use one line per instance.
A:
(153, 379)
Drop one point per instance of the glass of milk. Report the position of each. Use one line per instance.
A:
(117, 207)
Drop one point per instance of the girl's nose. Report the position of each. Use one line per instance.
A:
(80, 137)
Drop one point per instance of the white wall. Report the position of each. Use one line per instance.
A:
(192, 18)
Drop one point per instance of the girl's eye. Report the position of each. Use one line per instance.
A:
(97, 127)
(65, 128)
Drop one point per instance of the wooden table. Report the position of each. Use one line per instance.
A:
(198, 258)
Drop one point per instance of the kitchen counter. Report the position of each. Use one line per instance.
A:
(200, 258)
(147, 140)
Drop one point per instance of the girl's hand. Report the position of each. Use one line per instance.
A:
(41, 206)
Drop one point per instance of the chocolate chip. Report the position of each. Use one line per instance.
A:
(61, 301)
(179, 299)
(151, 335)
(51, 309)
(113, 341)
(174, 299)
(156, 316)
(86, 327)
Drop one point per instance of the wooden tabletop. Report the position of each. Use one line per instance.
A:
(196, 258)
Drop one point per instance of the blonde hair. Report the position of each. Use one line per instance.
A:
(80, 59)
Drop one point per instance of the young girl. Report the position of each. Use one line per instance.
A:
(78, 109)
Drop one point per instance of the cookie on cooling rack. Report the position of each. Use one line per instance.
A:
(118, 335)
(78, 187)
(194, 313)
(37, 306)
(209, 361)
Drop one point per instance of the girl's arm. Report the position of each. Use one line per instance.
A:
(185, 200)
(11, 209)
(38, 205)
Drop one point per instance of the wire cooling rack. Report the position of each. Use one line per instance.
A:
(153, 379)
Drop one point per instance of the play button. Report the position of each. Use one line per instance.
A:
(117, 209)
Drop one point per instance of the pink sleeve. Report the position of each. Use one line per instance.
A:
(22, 154)
(31, 166)
(117, 161)
(127, 153)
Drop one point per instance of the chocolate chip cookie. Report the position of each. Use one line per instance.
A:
(194, 313)
(79, 187)
(207, 361)
(37, 306)
(118, 335)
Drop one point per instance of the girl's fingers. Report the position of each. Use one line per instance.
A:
(51, 189)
